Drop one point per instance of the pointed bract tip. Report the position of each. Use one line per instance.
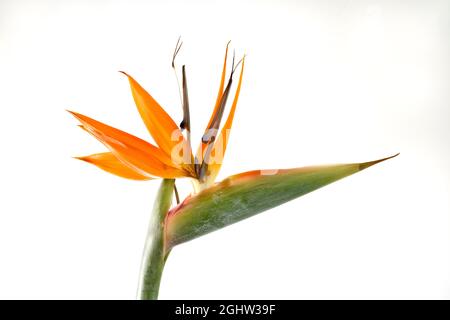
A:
(365, 165)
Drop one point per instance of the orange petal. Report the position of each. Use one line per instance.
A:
(222, 139)
(138, 154)
(161, 126)
(108, 162)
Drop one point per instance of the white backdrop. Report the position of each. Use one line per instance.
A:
(325, 82)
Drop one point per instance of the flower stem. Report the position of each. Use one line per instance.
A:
(155, 255)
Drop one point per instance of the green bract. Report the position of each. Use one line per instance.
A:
(242, 196)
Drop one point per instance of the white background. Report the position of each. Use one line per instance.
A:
(325, 82)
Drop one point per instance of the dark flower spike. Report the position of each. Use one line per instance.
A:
(184, 99)
(186, 123)
(175, 53)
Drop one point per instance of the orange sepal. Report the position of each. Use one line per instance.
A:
(161, 126)
(138, 154)
(108, 162)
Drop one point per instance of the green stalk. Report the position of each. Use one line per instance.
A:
(155, 255)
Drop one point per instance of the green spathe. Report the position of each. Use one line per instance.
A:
(242, 196)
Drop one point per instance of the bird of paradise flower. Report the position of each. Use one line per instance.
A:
(212, 205)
